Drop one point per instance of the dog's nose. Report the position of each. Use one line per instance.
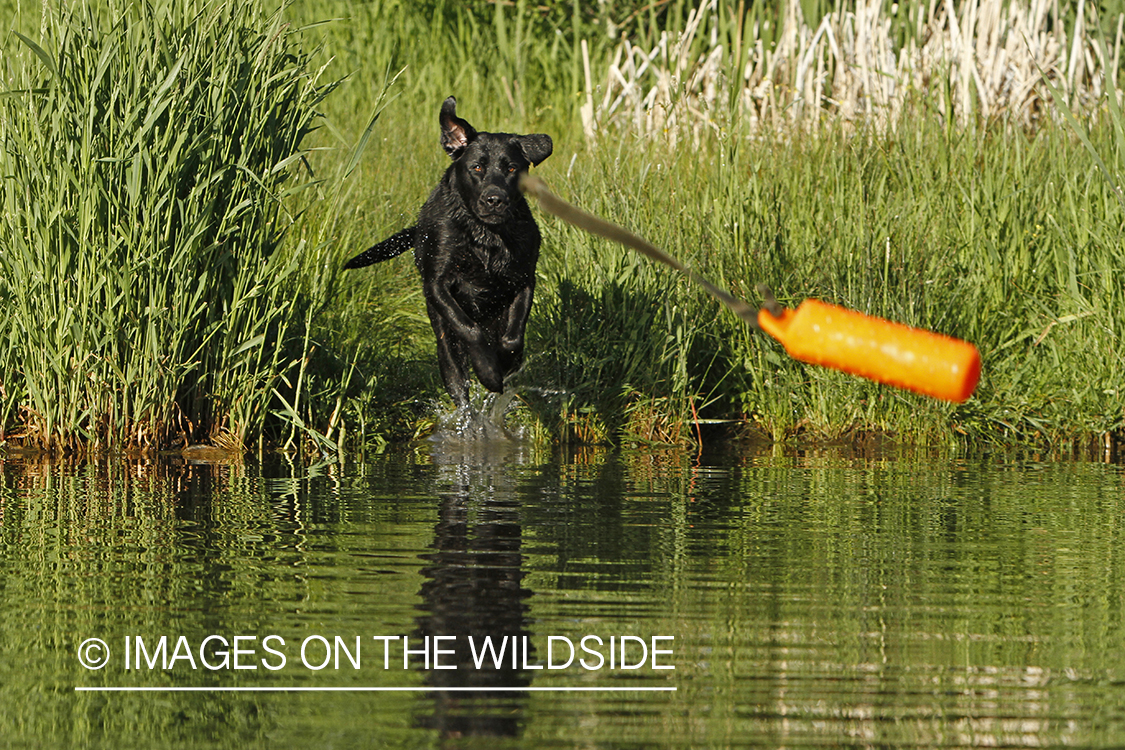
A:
(496, 200)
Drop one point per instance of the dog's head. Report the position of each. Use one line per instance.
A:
(488, 165)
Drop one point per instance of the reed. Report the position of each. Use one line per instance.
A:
(151, 157)
(860, 63)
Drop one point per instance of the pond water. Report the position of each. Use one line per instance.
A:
(734, 599)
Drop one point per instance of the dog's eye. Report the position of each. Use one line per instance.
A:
(478, 168)
(511, 168)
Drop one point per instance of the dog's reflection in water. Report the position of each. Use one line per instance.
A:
(474, 588)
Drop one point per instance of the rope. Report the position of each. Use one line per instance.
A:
(556, 206)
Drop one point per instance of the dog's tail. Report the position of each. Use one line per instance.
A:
(396, 244)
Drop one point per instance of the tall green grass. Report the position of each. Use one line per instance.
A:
(165, 281)
(151, 157)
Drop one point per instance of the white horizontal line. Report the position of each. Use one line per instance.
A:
(127, 689)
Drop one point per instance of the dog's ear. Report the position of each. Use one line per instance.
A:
(536, 147)
(456, 134)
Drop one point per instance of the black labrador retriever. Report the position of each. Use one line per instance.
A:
(476, 246)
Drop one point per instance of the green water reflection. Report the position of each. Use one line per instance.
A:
(819, 599)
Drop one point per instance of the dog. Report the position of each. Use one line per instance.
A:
(476, 245)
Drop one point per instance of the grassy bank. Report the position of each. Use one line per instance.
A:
(752, 144)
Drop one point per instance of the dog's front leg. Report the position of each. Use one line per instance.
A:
(477, 344)
(512, 340)
(439, 295)
(452, 360)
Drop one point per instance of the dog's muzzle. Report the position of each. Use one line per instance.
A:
(492, 205)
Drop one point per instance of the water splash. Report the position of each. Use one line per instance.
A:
(481, 420)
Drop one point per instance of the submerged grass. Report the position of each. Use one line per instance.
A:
(166, 282)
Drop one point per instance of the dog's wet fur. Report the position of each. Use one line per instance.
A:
(476, 245)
